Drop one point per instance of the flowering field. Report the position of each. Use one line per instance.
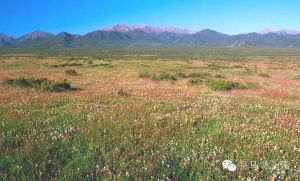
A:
(141, 119)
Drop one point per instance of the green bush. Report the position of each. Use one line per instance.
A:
(55, 86)
(223, 85)
(15, 83)
(199, 75)
(195, 82)
(71, 72)
(23, 83)
(40, 84)
(164, 76)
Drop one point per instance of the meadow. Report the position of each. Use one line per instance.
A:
(149, 114)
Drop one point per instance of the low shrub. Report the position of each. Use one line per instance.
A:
(106, 65)
(40, 84)
(122, 92)
(223, 85)
(181, 75)
(164, 76)
(158, 77)
(199, 75)
(71, 72)
(55, 86)
(23, 83)
(195, 82)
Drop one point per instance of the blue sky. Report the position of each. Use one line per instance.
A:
(18, 17)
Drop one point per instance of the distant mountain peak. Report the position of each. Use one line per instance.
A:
(5, 40)
(148, 29)
(265, 31)
(36, 34)
(63, 34)
(280, 32)
(208, 31)
(4, 36)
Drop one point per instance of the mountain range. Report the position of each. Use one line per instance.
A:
(122, 35)
(281, 32)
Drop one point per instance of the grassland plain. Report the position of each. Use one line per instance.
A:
(154, 116)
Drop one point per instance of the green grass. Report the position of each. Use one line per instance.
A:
(69, 145)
